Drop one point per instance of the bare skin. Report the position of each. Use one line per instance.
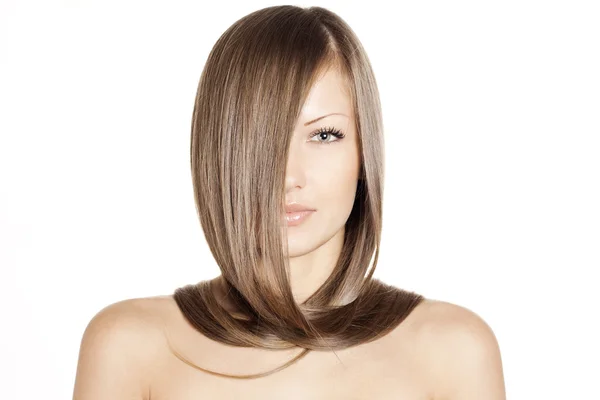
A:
(364, 372)
(441, 351)
(389, 368)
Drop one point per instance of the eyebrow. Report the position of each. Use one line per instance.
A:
(323, 116)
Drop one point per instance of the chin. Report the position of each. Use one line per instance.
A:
(304, 242)
(298, 248)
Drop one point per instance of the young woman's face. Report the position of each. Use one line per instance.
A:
(322, 170)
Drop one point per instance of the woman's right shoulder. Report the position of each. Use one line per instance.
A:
(132, 316)
(120, 344)
(140, 307)
(133, 321)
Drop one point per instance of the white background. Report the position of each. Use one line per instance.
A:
(492, 198)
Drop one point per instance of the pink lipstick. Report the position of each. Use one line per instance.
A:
(297, 213)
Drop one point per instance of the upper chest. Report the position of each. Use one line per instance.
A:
(188, 386)
(392, 367)
(367, 371)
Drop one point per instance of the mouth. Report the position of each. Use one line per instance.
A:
(297, 217)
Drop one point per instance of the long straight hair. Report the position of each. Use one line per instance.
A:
(249, 98)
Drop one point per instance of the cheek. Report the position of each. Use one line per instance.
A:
(334, 176)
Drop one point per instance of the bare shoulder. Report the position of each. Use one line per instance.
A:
(117, 350)
(437, 316)
(126, 319)
(461, 352)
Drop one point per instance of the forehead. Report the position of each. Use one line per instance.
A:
(327, 95)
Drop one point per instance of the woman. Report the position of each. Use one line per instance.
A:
(287, 164)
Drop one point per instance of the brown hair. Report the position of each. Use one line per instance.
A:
(251, 91)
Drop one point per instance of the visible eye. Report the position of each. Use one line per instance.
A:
(326, 132)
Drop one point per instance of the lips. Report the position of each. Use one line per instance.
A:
(297, 207)
(296, 213)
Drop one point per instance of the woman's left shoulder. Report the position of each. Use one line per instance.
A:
(460, 349)
(435, 317)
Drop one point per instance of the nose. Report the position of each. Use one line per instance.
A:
(295, 177)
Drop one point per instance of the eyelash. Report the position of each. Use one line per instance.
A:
(330, 130)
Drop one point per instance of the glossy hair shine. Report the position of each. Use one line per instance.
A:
(250, 95)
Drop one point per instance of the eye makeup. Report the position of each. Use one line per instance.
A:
(332, 132)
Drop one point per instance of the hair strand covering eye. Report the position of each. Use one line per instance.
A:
(255, 81)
